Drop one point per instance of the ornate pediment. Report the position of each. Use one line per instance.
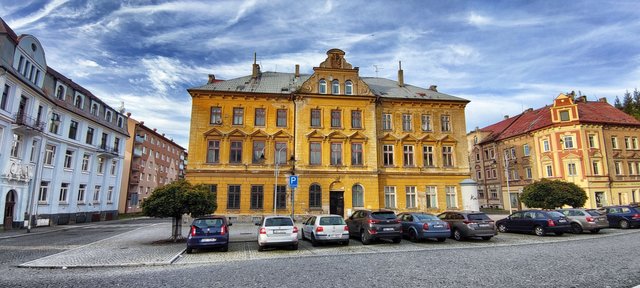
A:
(237, 133)
(428, 138)
(282, 134)
(409, 138)
(358, 136)
(389, 137)
(315, 134)
(213, 132)
(336, 135)
(448, 138)
(259, 134)
(335, 59)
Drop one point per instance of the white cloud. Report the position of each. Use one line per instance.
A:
(23, 22)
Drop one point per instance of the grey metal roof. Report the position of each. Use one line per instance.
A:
(387, 88)
(267, 82)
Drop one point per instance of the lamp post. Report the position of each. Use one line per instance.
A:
(276, 172)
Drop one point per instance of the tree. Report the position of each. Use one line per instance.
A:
(551, 194)
(176, 199)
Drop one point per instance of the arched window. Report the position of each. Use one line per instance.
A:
(348, 87)
(322, 86)
(315, 196)
(120, 122)
(78, 102)
(357, 196)
(108, 116)
(94, 109)
(60, 92)
(335, 87)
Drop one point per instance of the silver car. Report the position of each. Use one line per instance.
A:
(585, 219)
(277, 231)
(325, 228)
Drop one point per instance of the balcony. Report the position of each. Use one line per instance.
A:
(139, 139)
(27, 124)
(136, 167)
(137, 152)
(107, 151)
(134, 180)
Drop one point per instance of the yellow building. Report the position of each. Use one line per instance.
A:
(589, 143)
(354, 142)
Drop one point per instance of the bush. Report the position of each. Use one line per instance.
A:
(551, 194)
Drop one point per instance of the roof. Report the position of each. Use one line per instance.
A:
(387, 88)
(5, 29)
(266, 82)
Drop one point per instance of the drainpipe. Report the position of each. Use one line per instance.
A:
(33, 188)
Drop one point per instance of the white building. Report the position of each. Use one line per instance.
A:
(61, 148)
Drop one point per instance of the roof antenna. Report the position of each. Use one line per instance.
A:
(377, 69)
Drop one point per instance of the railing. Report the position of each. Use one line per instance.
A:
(139, 139)
(22, 119)
(137, 152)
(105, 150)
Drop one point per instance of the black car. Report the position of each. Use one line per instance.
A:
(539, 222)
(209, 232)
(371, 225)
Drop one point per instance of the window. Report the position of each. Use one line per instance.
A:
(432, 200)
(568, 142)
(356, 119)
(120, 119)
(86, 162)
(81, 192)
(335, 87)
(526, 150)
(450, 193)
(411, 196)
(114, 166)
(389, 196)
(336, 119)
(233, 197)
(545, 145)
(258, 152)
(73, 130)
(444, 123)
(44, 190)
(614, 142)
(100, 165)
(94, 109)
(631, 166)
(116, 145)
(68, 159)
(213, 151)
(571, 169)
(336, 153)
(408, 155)
(34, 148)
(387, 155)
(49, 154)
(513, 153)
(257, 197)
(281, 197)
(564, 115)
(322, 86)
(216, 115)
(596, 167)
(315, 117)
(618, 167)
(386, 122)
(107, 116)
(89, 139)
(357, 196)
(592, 141)
(260, 118)
(406, 122)
(96, 194)
(494, 193)
(315, 196)
(356, 154)
(627, 143)
(549, 170)
(60, 92)
(634, 143)
(5, 97)
(78, 102)
(280, 153)
(527, 172)
(315, 153)
(447, 156)
(348, 87)
(64, 191)
(16, 145)
(103, 141)
(238, 116)
(281, 120)
(235, 155)
(426, 122)
(55, 123)
(110, 194)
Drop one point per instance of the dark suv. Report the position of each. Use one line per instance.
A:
(623, 216)
(371, 225)
(465, 224)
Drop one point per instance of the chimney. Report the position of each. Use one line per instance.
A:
(128, 114)
(141, 122)
(297, 71)
(154, 129)
(256, 68)
(603, 100)
(506, 117)
(433, 88)
(212, 78)
(529, 110)
(400, 75)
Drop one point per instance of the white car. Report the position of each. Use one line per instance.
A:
(325, 228)
(277, 231)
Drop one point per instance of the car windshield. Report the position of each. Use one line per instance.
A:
(280, 221)
(383, 215)
(476, 217)
(554, 214)
(331, 221)
(203, 223)
(426, 217)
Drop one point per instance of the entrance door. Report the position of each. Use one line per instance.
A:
(10, 203)
(336, 203)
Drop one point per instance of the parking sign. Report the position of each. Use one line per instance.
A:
(293, 181)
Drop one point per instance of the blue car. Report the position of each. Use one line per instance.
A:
(208, 232)
(421, 226)
(539, 222)
(623, 216)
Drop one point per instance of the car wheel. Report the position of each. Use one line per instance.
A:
(595, 231)
(576, 228)
(302, 234)
(397, 240)
(441, 239)
(189, 250)
(486, 238)
(364, 237)
(558, 233)
(225, 248)
(314, 242)
(502, 228)
(260, 248)
(624, 224)
(413, 236)
(539, 230)
(457, 235)
(294, 246)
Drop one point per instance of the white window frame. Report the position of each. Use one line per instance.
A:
(390, 197)
(43, 193)
(64, 193)
(411, 195)
(431, 194)
(451, 196)
(408, 155)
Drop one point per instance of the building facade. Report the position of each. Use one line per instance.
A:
(589, 143)
(354, 142)
(151, 160)
(61, 154)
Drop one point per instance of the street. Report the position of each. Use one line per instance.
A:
(609, 259)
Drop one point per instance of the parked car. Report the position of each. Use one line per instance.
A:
(277, 231)
(325, 228)
(623, 216)
(208, 232)
(371, 225)
(585, 219)
(539, 222)
(466, 224)
(421, 226)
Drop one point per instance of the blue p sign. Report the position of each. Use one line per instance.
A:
(293, 181)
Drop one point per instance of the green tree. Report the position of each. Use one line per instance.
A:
(176, 199)
(551, 194)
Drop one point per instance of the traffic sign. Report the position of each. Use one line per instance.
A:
(293, 181)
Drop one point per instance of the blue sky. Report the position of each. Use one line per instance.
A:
(504, 56)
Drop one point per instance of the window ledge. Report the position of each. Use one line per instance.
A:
(43, 203)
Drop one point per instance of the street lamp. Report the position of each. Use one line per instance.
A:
(276, 172)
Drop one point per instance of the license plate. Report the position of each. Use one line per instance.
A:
(387, 229)
(279, 232)
(484, 225)
(562, 220)
(335, 235)
(438, 226)
(208, 240)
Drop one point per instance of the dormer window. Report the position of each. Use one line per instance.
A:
(322, 86)
(60, 92)
(335, 87)
(78, 102)
(564, 115)
(94, 109)
(119, 121)
(107, 116)
(348, 87)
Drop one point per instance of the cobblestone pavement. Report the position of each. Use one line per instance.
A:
(140, 247)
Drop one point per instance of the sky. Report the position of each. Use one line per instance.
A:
(503, 56)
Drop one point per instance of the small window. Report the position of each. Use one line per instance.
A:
(322, 86)
(315, 118)
(60, 92)
(78, 102)
(335, 87)
(564, 115)
(348, 87)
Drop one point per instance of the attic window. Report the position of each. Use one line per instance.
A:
(34, 47)
(564, 115)
(421, 94)
(284, 89)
